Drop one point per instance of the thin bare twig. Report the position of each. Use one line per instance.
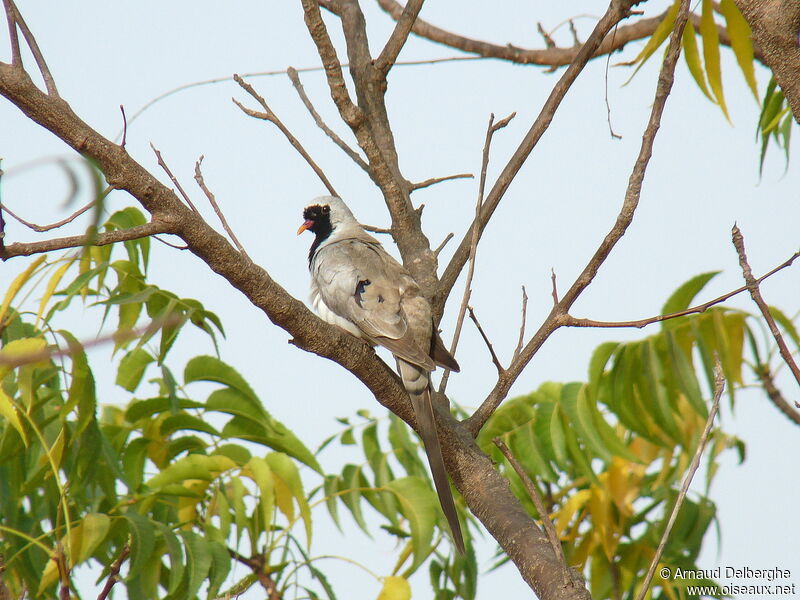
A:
(521, 339)
(113, 575)
(124, 126)
(397, 40)
(298, 86)
(373, 229)
(198, 177)
(559, 314)
(548, 40)
(49, 82)
(16, 55)
(614, 136)
(491, 128)
(2, 220)
(435, 180)
(57, 224)
(755, 293)
(719, 386)
(495, 360)
(269, 115)
(570, 321)
(554, 285)
(163, 165)
(170, 244)
(76, 241)
(765, 377)
(549, 529)
(441, 246)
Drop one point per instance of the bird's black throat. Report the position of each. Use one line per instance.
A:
(320, 216)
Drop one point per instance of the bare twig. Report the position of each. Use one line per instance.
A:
(354, 156)
(552, 535)
(49, 82)
(76, 241)
(765, 377)
(269, 115)
(441, 246)
(124, 126)
(57, 224)
(16, 55)
(373, 229)
(719, 386)
(491, 128)
(198, 177)
(397, 40)
(615, 13)
(495, 360)
(2, 220)
(548, 40)
(163, 165)
(257, 564)
(113, 574)
(755, 293)
(570, 321)
(559, 314)
(554, 286)
(521, 339)
(614, 136)
(435, 180)
(170, 244)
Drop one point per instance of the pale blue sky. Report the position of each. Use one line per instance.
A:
(702, 179)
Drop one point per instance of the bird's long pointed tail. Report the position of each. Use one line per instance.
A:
(426, 424)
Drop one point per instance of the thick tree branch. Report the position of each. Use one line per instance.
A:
(617, 11)
(775, 25)
(558, 315)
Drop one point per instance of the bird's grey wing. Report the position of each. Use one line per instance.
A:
(359, 281)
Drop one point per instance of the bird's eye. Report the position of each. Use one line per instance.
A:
(326, 210)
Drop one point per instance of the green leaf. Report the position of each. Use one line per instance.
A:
(682, 298)
(192, 466)
(351, 482)
(330, 488)
(710, 35)
(131, 368)
(685, 375)
(81, 389)
(419, 505)
(575, 402)
(177, 566)
(259, 471)
(692, 57)
(283, 467)
(146, 409)
(198, 561)
(142, 542)
(741, 42)
(209, 368)
(786, 324)
(185, 422)
(220, 567)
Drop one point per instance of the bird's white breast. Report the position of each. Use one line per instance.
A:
(324, 311)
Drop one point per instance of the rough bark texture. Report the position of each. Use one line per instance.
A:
(776, 30)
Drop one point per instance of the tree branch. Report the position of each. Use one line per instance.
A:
(405, 21)
(95, 239)
(765, 377)
(559, 312)
(49, 82)
(755, 293)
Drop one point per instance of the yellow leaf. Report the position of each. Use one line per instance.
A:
(51, 288)
(659, 35)
(710, 35)
(17, 284)
(741, 42)
(395, 588)
(9, 412)
(567, 511)
(21, 352)
(692, 56)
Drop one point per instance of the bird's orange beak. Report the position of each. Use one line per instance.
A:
(307, 225)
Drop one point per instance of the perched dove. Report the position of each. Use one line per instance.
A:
(358, 286)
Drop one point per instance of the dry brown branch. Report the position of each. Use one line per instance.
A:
(397, 40)
(16, 55)
(755, 294)
(57, 224)
(162, 163)
(524, 320)
(558, 314)
(298, 86)
(768, 383)
(257, 564)
(495, 360)
(49, 82)
(113, 574)
(95, 239)
(616, 12)
(435, 180)
(530, 487)
(198, 177)
(570, 321)
(373, 229)
(269, 115)
(124, 126)
(441, 246)
(719, 386)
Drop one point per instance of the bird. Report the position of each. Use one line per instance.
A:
(360, 287)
